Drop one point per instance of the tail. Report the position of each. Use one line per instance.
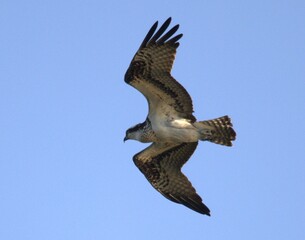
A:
(219, 130)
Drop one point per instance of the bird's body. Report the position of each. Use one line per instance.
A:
(170, 124)
(172, 130)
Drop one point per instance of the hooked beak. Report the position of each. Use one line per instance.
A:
(125, 138)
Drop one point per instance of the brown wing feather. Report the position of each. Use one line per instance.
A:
(161, 164)
(149, 72)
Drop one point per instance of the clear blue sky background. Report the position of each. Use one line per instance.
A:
(65, 172)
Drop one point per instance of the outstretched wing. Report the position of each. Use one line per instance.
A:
(149, 72)
(161, 164)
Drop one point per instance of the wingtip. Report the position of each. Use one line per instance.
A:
(155, 25)
(167, 21)
(205, 211)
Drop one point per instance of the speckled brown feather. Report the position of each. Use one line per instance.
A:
(161, 164)
(221, 132)
(170, 123)
(149, 72)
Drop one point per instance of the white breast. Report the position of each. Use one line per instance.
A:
(177, 130)
(180, 123)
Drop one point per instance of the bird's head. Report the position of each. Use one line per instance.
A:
(134, 132)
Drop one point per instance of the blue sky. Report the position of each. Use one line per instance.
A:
(65, 172)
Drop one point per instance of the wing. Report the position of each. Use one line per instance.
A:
(149, 72)
(161, 164)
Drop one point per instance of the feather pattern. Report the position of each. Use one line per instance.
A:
(150, 73)
(170, 123)
(161, 164)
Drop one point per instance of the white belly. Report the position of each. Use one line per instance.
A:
(178, 130)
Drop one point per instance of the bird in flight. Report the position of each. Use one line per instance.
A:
(170, 124)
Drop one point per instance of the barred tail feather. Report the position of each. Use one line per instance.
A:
(219, 130)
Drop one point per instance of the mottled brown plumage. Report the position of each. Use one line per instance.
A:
(170, 123)
(163, 171)
(149, 72)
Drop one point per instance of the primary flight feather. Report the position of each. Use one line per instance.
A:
(170, 124)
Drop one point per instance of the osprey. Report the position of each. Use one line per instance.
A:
(170, 124)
